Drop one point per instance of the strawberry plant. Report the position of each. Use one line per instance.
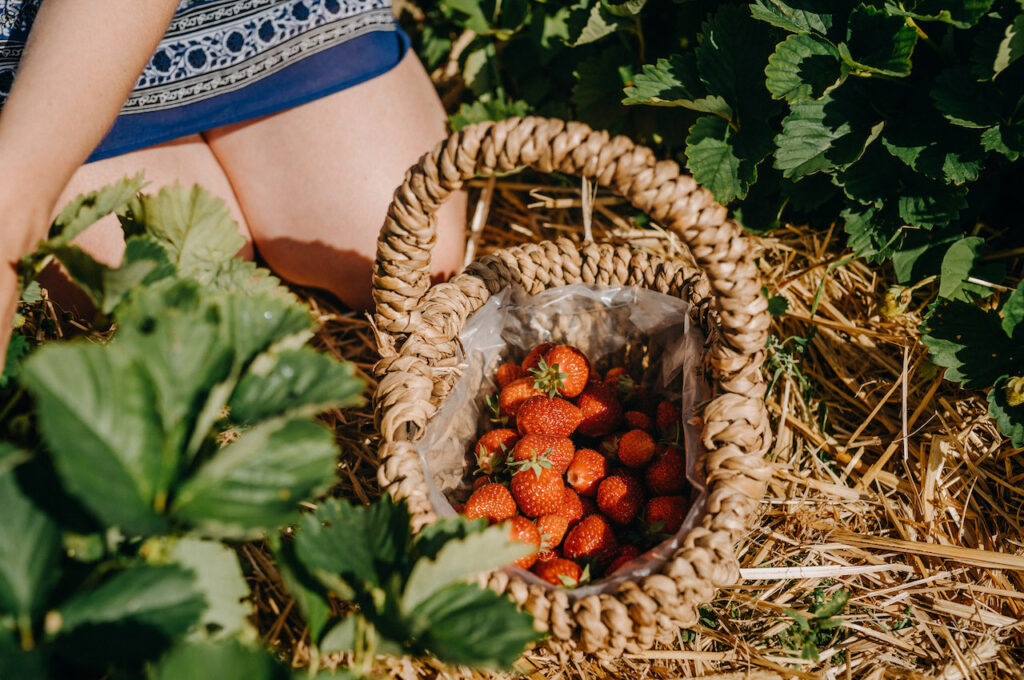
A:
(131, 465)
(902, 122)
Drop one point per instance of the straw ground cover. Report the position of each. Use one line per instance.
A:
(892, 487)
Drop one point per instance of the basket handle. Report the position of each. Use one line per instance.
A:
(401, 273)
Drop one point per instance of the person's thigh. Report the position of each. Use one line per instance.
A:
(315, 181)
(187, 161)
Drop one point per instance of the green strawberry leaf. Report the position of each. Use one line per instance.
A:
(964, 100)
(18, 664)
(17, 348)
(460, 559)
(589, 22)
(998, 139)
(675, 82)
(933, 147)
(624, 8)
(432, 537)
(713, 160)
(220, 581)
(343, 544)
(1013, 311)
(255, 483)
(144, 607)
(224, 660)
(1009, 419)
(30, 549)
(804, 66)
(294, 383)
(487, 109)
(1011, 48)
(86, 209)
(877, 43)
(307, 592)
(960, 263)
(341, 637)
(469, 625)
(824, 135)
(793, 15)
(731, 59)
(963, 14)
(240, 276)
(971, 344)
(145, 262)
(599, 83)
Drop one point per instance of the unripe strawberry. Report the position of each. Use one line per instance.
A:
(535, 355)
(586, 471)
(538, 490)
(492, 501)
(492, 448)
(636, 448)
(515, 394)
(591, 539)
(559, 572)
(544, 415)
(666, 475)
(601, 410)
(508, 373)
(559, 450)
(525, 531)
(620, 498)
(665, 514)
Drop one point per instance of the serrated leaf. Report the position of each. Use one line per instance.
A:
(86, 209)
(256, 482)
(792, 16)
(219, 579)
(599, 83)
(145, 261)
(920, 253)
(432, 537)
(29, 553)
(931, 146)
(33, 293)
(674, 82)
(1013, 311)
(803, 66)
(458, 560)
(294, 383)
(993, 139)
(470, 14)
(713, 161)
(962, 14)
(731, 59)
(475, 61)
(254, 323)
(17, 348)
(970, 343)
(925, 203)
(143, 607)
(360, 545)
(1009, 419)
(964, 100)
(247, 278)
(487, 109)
(589, 22)
(308, 594)
(83, 269)
(98, 416)
(777, 305)
(193, 226)
(825, 134)
(1011, 47)
(624, 8)
(835, 605)
(225, 660)
(866, 234)
(877, 43)
(467, 624)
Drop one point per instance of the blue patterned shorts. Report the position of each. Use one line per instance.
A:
(227, 61)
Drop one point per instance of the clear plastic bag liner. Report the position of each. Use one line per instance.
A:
(611, 324)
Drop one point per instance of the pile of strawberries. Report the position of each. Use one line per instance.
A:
(588, 470)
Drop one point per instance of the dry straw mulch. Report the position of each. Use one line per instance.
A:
(890, 484)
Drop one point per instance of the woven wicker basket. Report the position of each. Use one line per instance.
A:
(418, 325)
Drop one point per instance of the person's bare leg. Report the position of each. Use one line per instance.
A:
(186, 161)
(315, 181)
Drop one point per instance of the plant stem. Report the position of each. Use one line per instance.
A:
(15, 398)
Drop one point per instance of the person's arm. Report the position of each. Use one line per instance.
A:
(82, 59)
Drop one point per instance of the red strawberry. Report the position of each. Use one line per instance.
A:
(620, 498)
(563, 370)
(559, 572)
(665, 514)
(559, 450)
(627, 554)
(480, 481)
(591, 539)
(636, 448)
(492, 449)
(571, 508)
(601, 410)
(525, 531)
(638, 420)
(508, 373)
(614, 375)
(589, 506)
(538, 489)
(492, 501)
(535, 355)
(666, 475)
(544, 415)
(515, 393)
(545, 555)
(668, 419)
(459, 508)
(587, 470)
(610, 446)
(552, 530)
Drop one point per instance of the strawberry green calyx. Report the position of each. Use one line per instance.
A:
(536, 463)
(1015, 391)
(548, 379)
